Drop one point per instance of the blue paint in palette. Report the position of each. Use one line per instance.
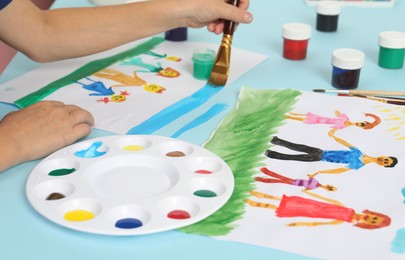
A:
(128, 223)
(91, 152)
(175, 111)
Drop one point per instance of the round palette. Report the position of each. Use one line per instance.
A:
(129, 185)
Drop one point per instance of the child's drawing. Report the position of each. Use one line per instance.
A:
(124, 79)
(97, 88)
(116, 98)
(307, 184)
(352, 157)
(156, 73)
(279, 213)
(294, 206)
(341, 120)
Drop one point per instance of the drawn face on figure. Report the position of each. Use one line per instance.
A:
(384, 161)
(361, 124)
(330, 188)
(169, 73)
(371, 219)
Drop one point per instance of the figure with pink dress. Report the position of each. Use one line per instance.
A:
(341, 120)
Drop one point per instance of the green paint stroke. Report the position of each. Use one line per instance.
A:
(240, 140)
(85, 71)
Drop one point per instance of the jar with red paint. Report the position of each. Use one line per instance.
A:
(296, 37)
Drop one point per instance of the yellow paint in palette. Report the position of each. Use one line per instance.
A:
(133, 147)
(79, 215)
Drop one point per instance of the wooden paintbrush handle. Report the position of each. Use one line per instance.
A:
(229, 26)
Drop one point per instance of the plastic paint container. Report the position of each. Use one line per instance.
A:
(327, 15)
(203, 60)
(392, 50)
(347, 64)
(177, 35)
(296, 37)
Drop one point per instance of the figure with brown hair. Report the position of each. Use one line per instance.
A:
(339, 122)
(332, 210)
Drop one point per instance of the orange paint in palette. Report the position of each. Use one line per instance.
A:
(129, 185)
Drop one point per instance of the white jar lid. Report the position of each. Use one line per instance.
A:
(328, 7)
(296, 31)
(392, 39)
(349, 59)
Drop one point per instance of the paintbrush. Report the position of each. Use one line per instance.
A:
(220, 70)
(387, 100)
(363, 92)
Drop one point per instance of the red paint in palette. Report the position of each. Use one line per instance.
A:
(202, 171)
(178, 214)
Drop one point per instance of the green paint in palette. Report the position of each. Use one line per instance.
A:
(61, 172)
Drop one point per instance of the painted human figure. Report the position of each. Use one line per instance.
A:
(352, 157)
(339, 122)
(307, 184)
(332, 210)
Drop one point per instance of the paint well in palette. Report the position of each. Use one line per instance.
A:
(92, 151)
(175, 154)
(61, 172)
(55, 196)
(79, 215)
(178, 214)
(128, 223)
(205, 193)
(133, 147)
(202, 171)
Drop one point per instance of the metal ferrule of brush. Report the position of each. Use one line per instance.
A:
(224, 54)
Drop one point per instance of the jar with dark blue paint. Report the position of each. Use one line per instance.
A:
(346, 68)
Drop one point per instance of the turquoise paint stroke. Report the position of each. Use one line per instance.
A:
(210, 113)
(398, 245)
(91, 152)
(175, 111)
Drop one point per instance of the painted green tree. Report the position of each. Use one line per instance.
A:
(241, 140)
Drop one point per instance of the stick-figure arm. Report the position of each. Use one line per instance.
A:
(322, 198)
(331, 171)
(339, 140)
(313, 224)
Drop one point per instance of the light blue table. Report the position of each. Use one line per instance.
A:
(24, 234)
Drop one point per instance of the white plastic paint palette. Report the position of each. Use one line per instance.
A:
(129, 185)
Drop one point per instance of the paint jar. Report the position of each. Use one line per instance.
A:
(327, 15)
(392, 50)
(177, 35)
(347, 64)
(203, 60)
(296, 37)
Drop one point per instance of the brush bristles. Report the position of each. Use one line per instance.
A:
(220, 70)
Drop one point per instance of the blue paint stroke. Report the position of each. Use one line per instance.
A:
(97, 87)
(175, 111)
(210, 113)
(91, 152)
(398, 245)
(403, 193)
